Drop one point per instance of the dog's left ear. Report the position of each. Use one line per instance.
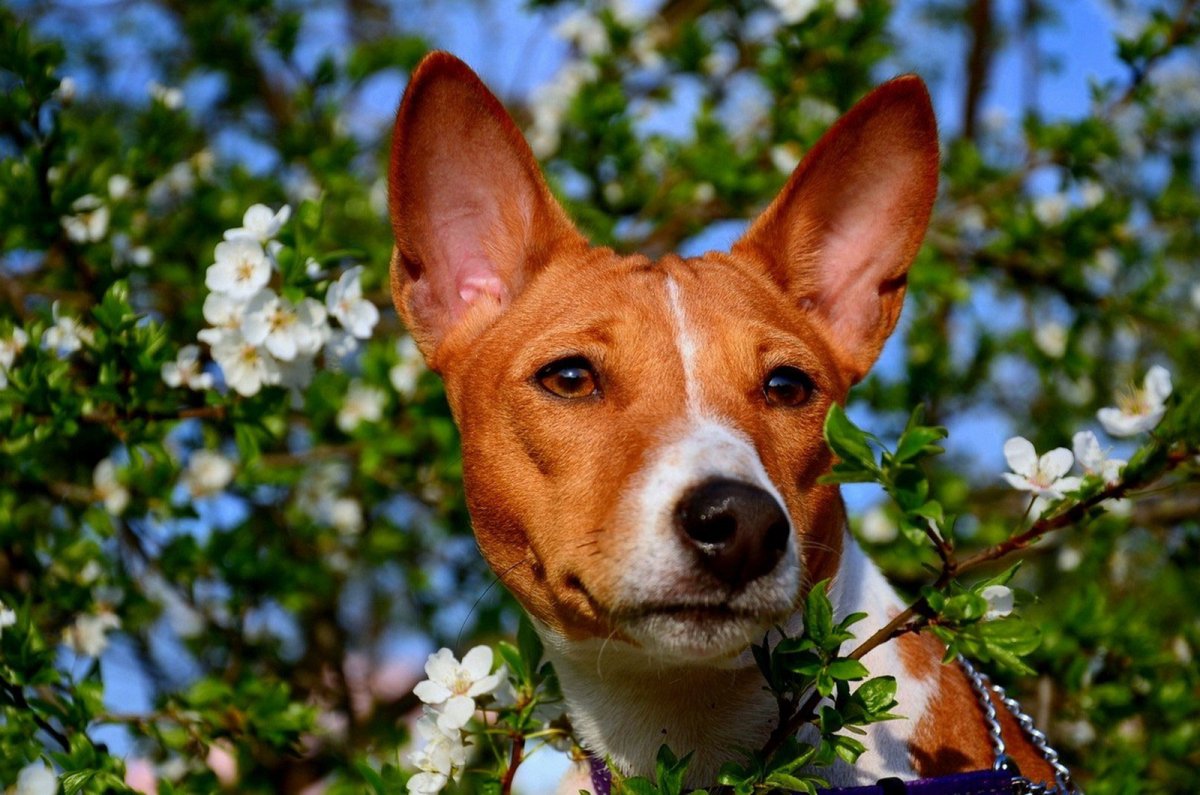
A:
(843, 231)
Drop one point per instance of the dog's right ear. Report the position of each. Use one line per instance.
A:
(472, 216)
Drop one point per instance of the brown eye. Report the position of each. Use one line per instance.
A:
(572, 377)
(787, 387)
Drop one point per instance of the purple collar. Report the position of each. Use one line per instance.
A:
(979, 782)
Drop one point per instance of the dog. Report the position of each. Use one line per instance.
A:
(642, 440)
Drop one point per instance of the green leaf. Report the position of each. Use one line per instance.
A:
(878, 694)
(371, 776)
(847, 440)
(74, 782)
(637, 786)
(513, 659)
(848, 669)
(818, 613)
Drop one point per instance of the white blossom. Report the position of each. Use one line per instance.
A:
(363, 404)
(785, 157)
(109, 488)
(8, 617)
(550, 101)
(124, 252)
(971, 219)
(1093, 459)
(999, 599)
(1051, 339)
(1091, 193)
(318, 489)
(346, 515)
(442, 756)
(66, 90)
(11, 347)
(185, 370)
(89, 224)
(283, 329)
(223, 312)
(119, 186)
(346, 303)
(260, 223)
(1107, 263)
(88, 635)
(1196, 297)
(794, 11)
(406, 373)
(208, 472)
(1050, 209)
(1069, 559)
(452, 687)
(1139, 410)
(247, 367)
(585, 31)
(646, 44)
(845, 9)
(67, 335)
(1041, 476)
(877, 527)
(241, 269)
(36, 779)
(170, 96)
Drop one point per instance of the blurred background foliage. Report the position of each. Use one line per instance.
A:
(173, 624)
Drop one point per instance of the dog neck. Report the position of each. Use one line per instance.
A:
(624, 704)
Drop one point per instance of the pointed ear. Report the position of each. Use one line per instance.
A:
(472, 216)
(840, 236)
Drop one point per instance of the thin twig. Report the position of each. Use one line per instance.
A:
(514, 761)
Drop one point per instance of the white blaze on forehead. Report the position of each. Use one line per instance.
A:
(686, 344)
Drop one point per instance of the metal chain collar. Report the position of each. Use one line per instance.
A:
(1062, 776)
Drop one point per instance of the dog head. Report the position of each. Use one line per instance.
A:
(642, 439)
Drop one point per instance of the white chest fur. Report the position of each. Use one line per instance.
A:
(624, 704)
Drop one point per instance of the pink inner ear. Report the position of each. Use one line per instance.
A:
(476, 280)
(470, 210)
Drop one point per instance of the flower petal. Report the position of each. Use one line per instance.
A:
(1158, 384)
(1087, 451)
(478, 662)
(431, 692)
(1020, 455)
(1066, 485)
(441, 666)
(486, 685)
(1056, 463)
(1018, 482)
(1118, 423)
(455, 713)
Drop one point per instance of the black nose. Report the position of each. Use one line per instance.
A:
(739, 529)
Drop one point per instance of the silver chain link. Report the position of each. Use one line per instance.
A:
(981, 685)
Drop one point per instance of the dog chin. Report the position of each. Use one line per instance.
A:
(697, 635)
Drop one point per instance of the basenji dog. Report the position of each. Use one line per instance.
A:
(642, 439)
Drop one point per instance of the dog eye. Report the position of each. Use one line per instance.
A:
(787, 387)
(572, 377)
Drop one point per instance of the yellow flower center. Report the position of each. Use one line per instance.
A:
(1132, 400)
